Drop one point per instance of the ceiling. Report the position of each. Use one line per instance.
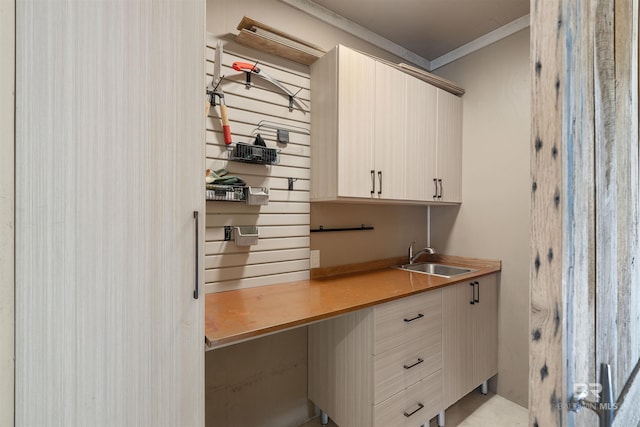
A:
(429, 28)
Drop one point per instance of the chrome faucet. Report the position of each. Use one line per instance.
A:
(413, 257)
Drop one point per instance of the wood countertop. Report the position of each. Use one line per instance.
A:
(235, 316)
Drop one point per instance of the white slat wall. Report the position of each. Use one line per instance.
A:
(282, 252)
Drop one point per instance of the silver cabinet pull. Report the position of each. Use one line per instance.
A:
(420, 315)
(380, 179)
(195, 291)
(408, 414)
(416, 363)
(373, 182)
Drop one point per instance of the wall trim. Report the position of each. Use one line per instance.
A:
(481, 42)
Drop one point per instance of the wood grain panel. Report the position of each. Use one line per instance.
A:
(389, 127)
(406, 320)
(7, 212)
(324, 139)
(449, 145)
(457, 342)
(420, 155)
(356, 102)
(427, 393)
(485, 330)
(109, 107)
(282, 252)
(393, 370)
(549, 80)
(341, 368)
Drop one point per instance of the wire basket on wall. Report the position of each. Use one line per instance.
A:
(254, 154)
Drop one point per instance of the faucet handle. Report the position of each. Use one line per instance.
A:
(411, 250)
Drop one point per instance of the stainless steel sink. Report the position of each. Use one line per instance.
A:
(435, 269)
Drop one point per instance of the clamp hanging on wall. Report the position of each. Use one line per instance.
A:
(249, 69)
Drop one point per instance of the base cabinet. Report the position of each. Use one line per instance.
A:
(470, 336)
(381, 366)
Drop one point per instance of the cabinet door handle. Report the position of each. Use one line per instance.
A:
(416, 363)
(380, 182)
(420, 315)
(408, 414)
(435, 189)
(477, 299)
(195, 291)
(440, 182)
(373, 182)
(473, 293)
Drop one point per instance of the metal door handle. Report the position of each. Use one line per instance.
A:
(373, 182)
(435, 189)
(478, 287)
(416, 363)
(420, 406)
(195, 291)
(419, 316)
(440, 182)
(380, 179)
(473, 293)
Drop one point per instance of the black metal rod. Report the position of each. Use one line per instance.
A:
(321, 229)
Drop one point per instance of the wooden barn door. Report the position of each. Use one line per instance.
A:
(585, 224)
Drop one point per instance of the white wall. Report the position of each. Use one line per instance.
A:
(493, 220)
(7, 86)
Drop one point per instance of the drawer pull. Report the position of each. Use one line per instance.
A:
(419, 361)
(420, 315)
(408, 414)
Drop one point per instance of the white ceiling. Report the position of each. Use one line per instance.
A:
(429, 28)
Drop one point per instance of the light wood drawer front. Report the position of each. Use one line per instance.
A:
(406, 320)
(405, 365)
(413, 406)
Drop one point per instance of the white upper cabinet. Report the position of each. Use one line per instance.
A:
(449, 147)
(381, 134)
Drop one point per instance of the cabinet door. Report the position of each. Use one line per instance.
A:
(356, 124)
(420, 149)
(109, 168)
(449, 146)
(457, 341)
(485, 330)
(390, 130)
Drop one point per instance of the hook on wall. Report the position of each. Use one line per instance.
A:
(290, 182)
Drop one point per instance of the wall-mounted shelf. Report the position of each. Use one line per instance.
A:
(268, 39)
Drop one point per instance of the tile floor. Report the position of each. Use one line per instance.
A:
(474, 410)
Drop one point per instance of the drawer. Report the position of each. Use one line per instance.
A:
(406, 320)
(413, 406)
(400, 367)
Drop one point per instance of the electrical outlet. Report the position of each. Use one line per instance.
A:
(314, 260)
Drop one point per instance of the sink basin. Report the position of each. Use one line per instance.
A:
(435, 269)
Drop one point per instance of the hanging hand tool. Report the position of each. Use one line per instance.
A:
(217, 91)
(249, 68)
